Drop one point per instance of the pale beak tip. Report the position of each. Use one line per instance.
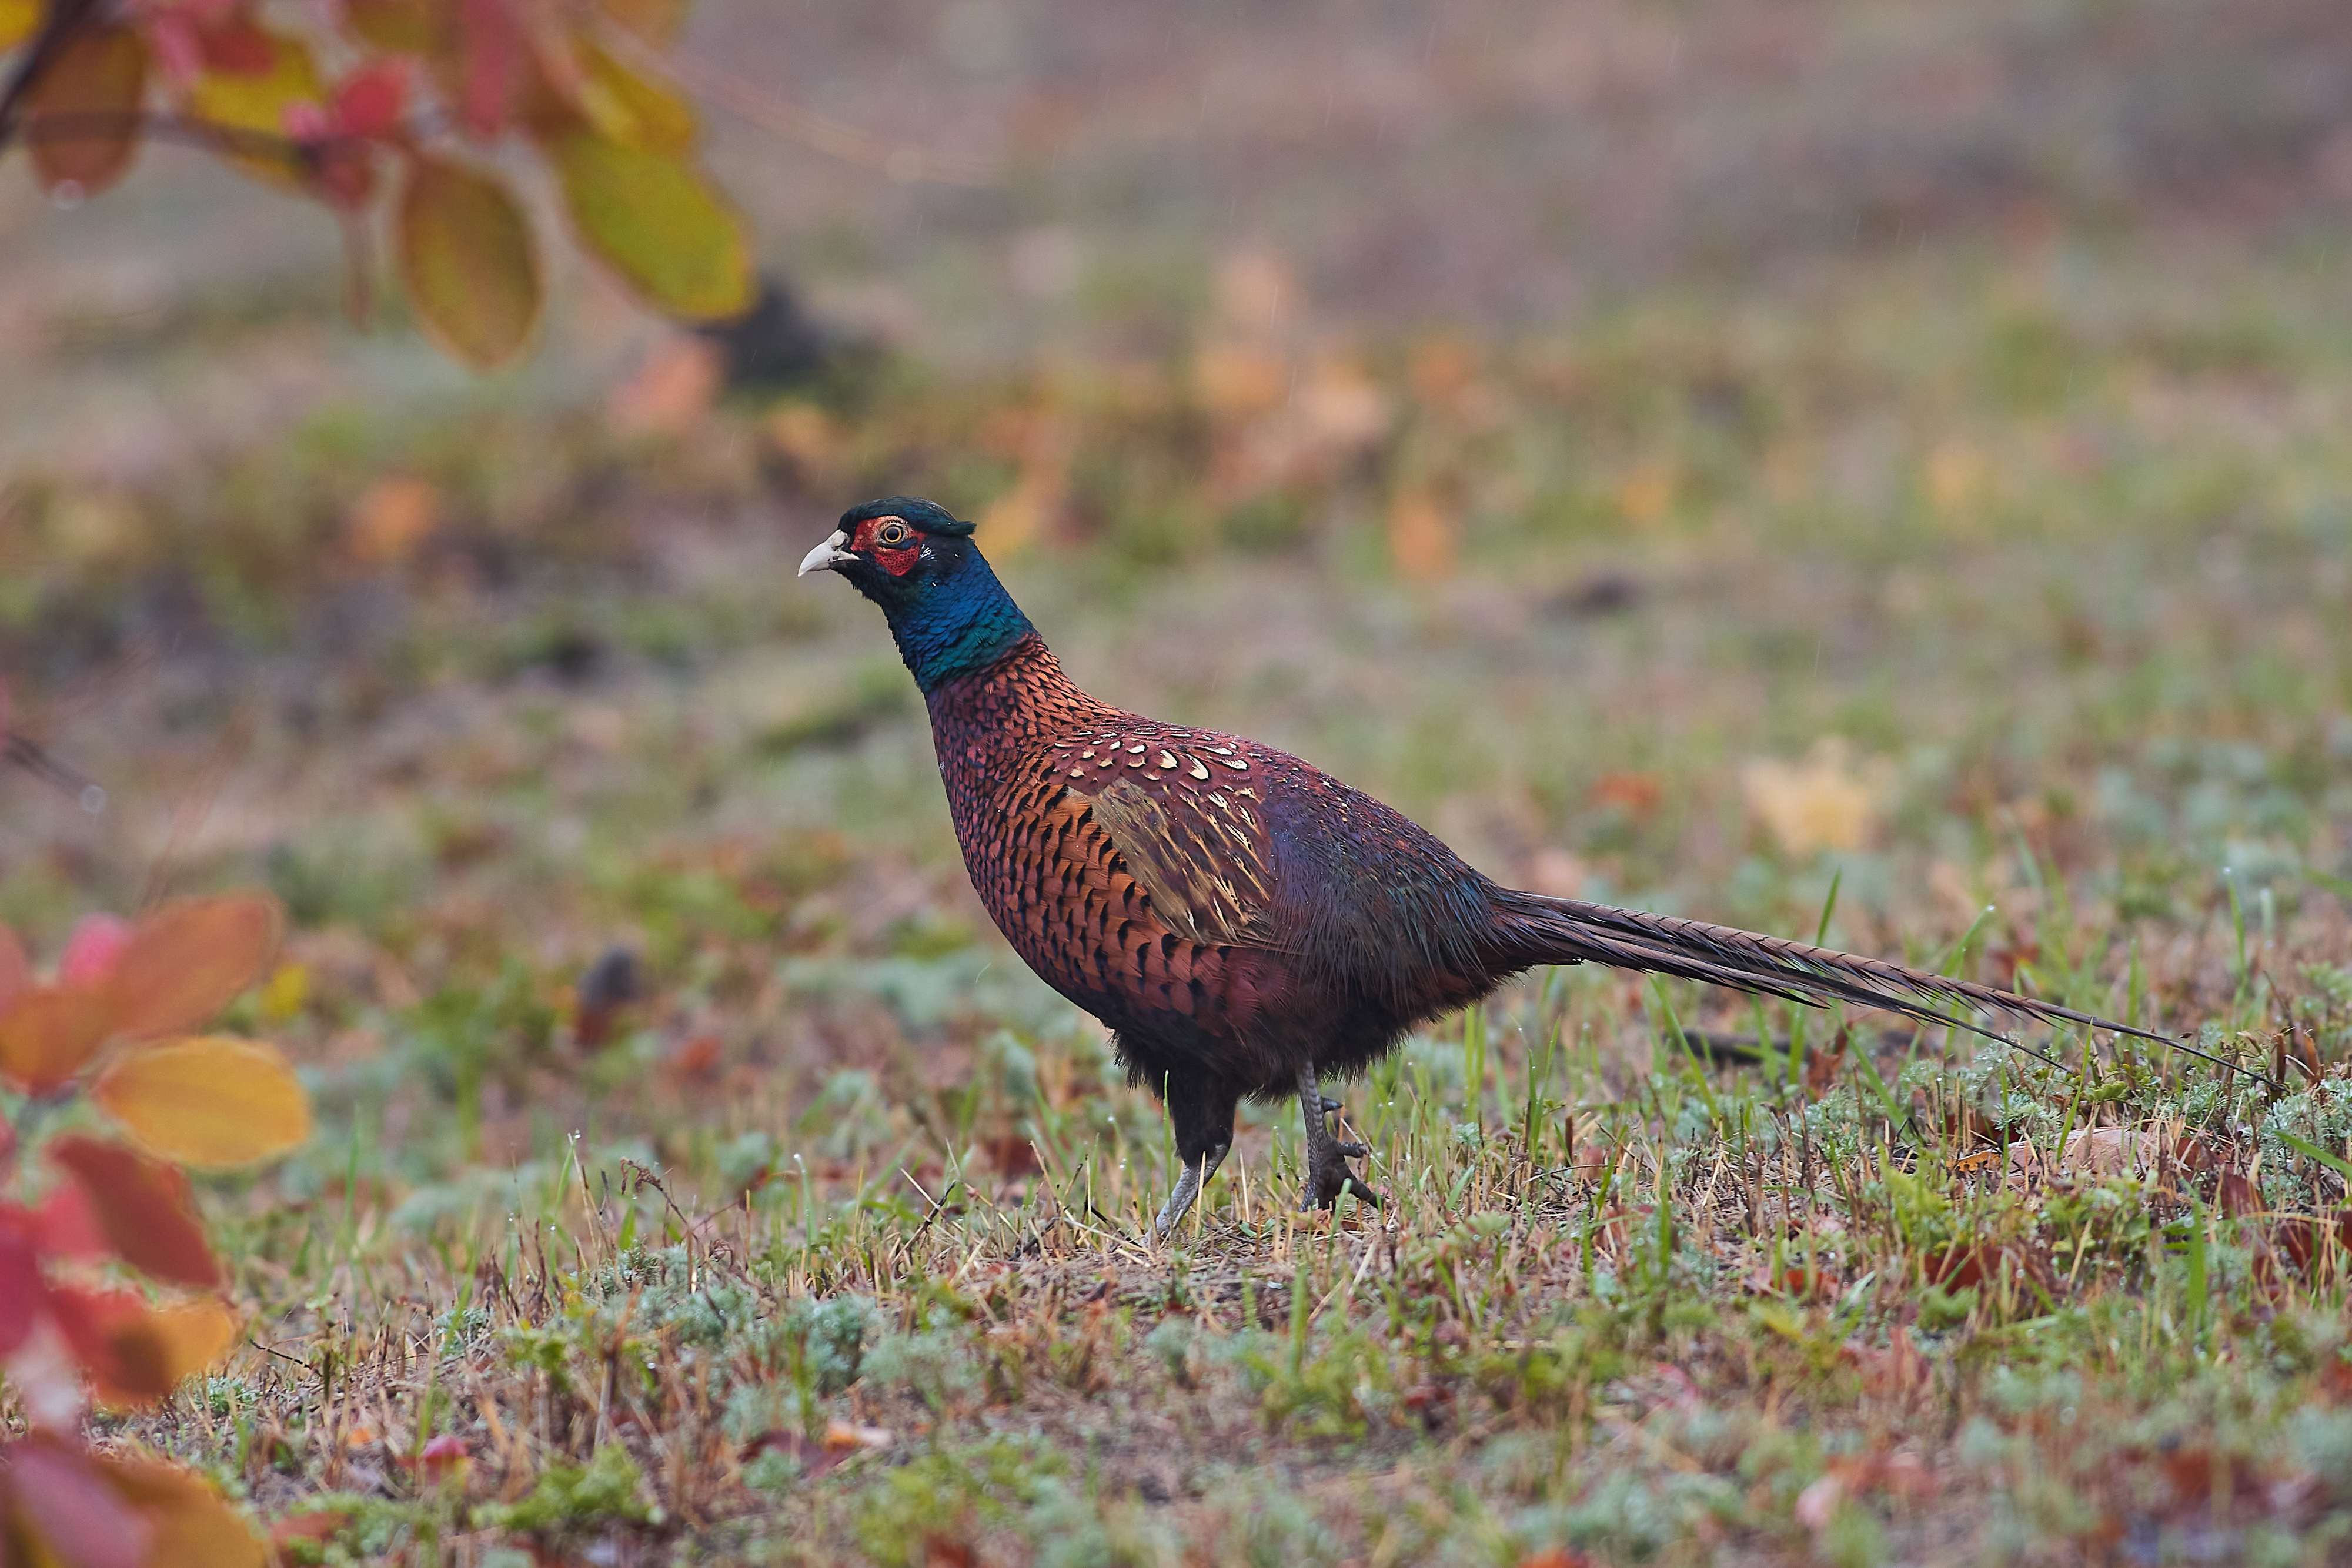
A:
(826, 555)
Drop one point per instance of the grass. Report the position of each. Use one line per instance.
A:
(828, 1248)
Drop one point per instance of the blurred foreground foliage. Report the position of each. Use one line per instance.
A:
(394, 114)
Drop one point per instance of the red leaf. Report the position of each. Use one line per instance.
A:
(444, 1453)
(494, 57)
(93, 950)
(67, 1503)
(370, 101)
(321, 1527)
(238, 48)
(134, 1353)
(65, 1226)
(143, 1208)
(177, 49)
(22, 1292)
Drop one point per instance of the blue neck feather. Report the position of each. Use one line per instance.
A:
(955, 624)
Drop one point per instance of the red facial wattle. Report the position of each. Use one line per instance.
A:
(897, 559)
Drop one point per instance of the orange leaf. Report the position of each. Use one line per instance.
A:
(188, 961)
(191, 1526)
(50, 1034)
(469, 262)
(91, 99)
(142, 1207)
(210, 1101)
(654, 220)
(110, 1337)
(136, 1355)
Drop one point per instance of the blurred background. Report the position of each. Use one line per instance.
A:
(1683, 454)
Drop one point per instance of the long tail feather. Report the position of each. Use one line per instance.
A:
(1537, 929)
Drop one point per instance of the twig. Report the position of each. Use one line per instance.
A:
(64, 18)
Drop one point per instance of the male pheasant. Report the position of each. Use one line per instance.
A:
(1242, 922)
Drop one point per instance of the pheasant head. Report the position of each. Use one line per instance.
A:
(918, 562)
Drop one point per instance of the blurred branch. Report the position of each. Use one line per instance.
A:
(23, 751)
(756, 105)
(64, 18)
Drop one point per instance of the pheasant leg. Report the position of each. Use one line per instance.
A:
(1190, 1180)
(1328, 1174)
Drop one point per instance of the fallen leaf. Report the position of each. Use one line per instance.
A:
(1819, 1502)
(1636, 794)
(1829, 801)
(1646, 493)
(391, 519)
(444, 1455)
(316, 1527)
(1424, 537)
(672, 391)
(842, 1435)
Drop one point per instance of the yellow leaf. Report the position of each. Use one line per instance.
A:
(469, 262)
(287, 993)
(209, 1101)
(190, 1526)
(81, 115)
(632, 108)
(658, 222)
(17, 20)
(403, 26)
(1645, 494)
(187, 960)
(257, 102)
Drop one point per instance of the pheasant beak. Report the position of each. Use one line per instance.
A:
(828, 556)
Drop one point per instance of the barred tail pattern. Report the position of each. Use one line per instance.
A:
(1537, 929)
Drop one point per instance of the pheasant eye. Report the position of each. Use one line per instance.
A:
(892, 534)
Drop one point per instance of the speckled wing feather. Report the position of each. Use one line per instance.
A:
(1183, 824)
